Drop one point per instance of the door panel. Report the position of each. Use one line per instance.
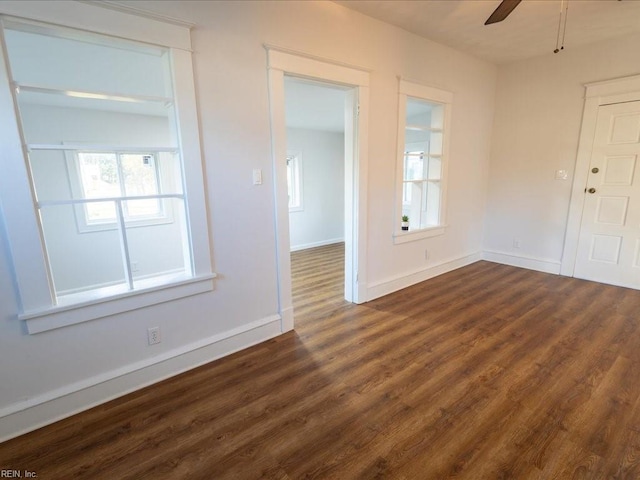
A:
(609, 242)
(619, 170)
(612, 210)
(624, 128)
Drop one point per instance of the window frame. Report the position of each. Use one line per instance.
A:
(297, 188)
(407, 90)
(39, 307)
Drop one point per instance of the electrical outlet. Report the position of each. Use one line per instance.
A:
(153, 335)
(135, 267)
(426, 254)
(516, 243)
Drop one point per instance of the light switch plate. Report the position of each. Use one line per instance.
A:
(257, 176)
(562, 174)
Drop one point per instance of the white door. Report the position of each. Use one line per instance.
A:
(609, 242)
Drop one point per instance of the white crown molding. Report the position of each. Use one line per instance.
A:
(120, 7)
(290, 51)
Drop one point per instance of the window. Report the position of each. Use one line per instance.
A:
(294, 182)
(422, 134)
(119, 113)
(120, 176)
(119, 203)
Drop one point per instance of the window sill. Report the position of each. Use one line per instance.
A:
(79, 308)
(412, 236)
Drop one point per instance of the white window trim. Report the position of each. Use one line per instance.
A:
(37, 300)
(297, 156)
(406, 89)
(109, 19)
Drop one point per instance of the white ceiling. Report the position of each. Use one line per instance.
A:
(529, 31)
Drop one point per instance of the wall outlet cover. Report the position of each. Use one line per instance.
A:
(153, 335)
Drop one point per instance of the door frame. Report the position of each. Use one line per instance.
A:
(618, 90)
(283, 62)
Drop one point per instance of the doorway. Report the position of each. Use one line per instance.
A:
(603, 233)
(355, 81)
(315, 120)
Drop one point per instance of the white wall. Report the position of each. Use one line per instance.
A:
(106, 357)
(321, 220)
(539, 107)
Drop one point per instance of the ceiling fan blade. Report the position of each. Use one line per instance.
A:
(503, 11)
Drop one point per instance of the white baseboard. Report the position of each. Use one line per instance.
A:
(304, 246)
(287, 319)
(522, 261)
(66, 401)
(399, 282)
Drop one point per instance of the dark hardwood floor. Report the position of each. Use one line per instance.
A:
(487, 372)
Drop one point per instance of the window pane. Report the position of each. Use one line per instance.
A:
(414, 166)
(417, 139)
(152, 258)
(169, 172)
(406, 197)
(290, 183)
(416, 202)
(139, 174)
(432, 210)
(421, 203)
(50, 177)
(294, 181)
(81, 261)
(149, 208)
(418, 112)
(435, 143)
(140, 178)
(108, 65)
(437, 116)
(99, 179)
(435, 168)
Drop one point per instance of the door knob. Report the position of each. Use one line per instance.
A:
(592, 190)
(595, 170)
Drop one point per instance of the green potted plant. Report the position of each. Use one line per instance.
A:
(405, 222)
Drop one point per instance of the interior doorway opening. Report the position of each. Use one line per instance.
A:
(356, 80)
(317, 162)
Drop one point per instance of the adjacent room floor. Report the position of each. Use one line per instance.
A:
(486, 372)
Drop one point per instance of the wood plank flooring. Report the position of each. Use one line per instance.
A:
(487, 372)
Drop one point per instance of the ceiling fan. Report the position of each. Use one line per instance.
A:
(507, 6)
(503, 11)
